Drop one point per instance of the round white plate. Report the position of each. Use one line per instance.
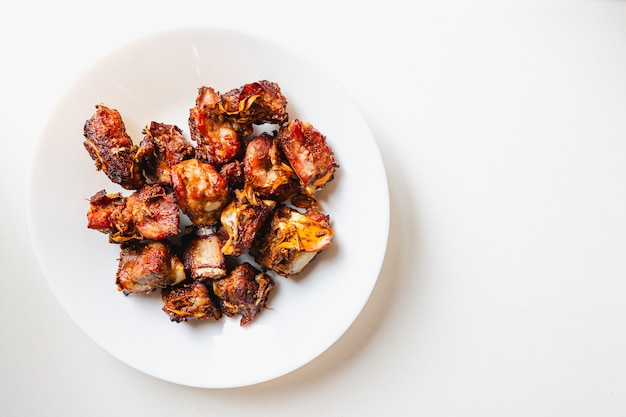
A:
(156, 78)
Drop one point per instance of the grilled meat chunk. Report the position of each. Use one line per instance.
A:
(259, 102)
(149, 213)
(242, 220)
(309, 155)
(202, 255)
(190, 301)
(162, 146)
(153, 211)
(243, 292)
(218, 138)
(104, 211)
(148, 265)
(201, 191)
(266, 170)
(293, 239)
(218, 122)
(111, 148)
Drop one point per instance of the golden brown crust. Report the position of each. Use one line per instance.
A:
(201, 191)
(218, 138)
(103, 211)
(242, 220)
(266, 170)
(153, 211)
(149, 213)
(111, 148)
(292, 240)
(162, 147)
(243, 292)
(259, 102)
(147, 266)
(190, 301)
(308, 154)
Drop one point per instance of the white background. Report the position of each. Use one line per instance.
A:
(503, 131)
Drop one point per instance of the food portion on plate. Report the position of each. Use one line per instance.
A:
(243, 191)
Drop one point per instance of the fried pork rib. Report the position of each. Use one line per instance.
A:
(105, 211)
(162, 147)
(242, 220)
(218, 122)
(293, 239)
(218, 138)
(149, 213)
(111, 148)
(308, 154)
(201, 191)
(259, 102)
(243, 292)
(202, 255)
(190, 301)
(147, 266)
(266, 171)
(153, 212)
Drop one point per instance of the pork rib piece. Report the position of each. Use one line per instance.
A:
(190, 301)
(147, 266)
(293, 238)
(111, 148)
(200, 190)
(243, 292)
(308, 153)
(148, 213)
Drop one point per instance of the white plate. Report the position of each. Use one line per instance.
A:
(157, 78)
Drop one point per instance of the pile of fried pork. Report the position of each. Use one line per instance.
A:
(244, 193)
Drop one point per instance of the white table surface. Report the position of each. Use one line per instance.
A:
(503, 131)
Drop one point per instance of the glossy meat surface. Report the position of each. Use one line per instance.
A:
(148, 213)
(308, 154)
(201, 191)
(146, 266)
(111, 148)
(153, 211)
(104, 211)
(266, 171)
(218, 138)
